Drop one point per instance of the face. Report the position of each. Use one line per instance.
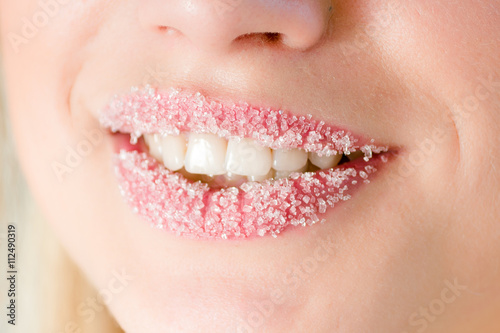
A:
(415, 249)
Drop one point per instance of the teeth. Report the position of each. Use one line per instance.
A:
(213, 160)
(284, 174)
(324, 162)
(289, 159)
(247, 158)
(154, 143)
(173, 150)
(206, 154)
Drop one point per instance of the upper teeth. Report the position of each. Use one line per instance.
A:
(324, 162)
(208, 154)
(205, 154)
(247, 158)
(289, 159)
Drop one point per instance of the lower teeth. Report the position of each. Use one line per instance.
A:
(231, 180)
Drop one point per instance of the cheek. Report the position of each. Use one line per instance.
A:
(40, 61)
(450, 52)
(62, 157)
(51, 142)
(441, 47)
(38, 112)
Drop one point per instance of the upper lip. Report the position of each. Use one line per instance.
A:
(171, 111)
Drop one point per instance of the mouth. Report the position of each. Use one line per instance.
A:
(206, 169)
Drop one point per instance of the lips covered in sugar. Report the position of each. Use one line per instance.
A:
(230, 170)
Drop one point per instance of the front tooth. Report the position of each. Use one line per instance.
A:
(173, 151)
(289, 159)
(153, 141)
(285, 174)
(206, 154)
(247, 158)
(325, 162)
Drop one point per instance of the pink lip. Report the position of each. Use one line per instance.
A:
(193, 209)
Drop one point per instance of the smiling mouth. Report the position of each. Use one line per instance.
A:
(214, 170)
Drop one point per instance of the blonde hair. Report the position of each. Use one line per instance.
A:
(49, 287)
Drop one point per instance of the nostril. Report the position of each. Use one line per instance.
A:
(263, 37)
(165, 30)
(272, 37)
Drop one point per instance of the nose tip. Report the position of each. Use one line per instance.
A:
(218, 24)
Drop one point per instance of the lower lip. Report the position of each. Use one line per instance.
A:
(190, 209)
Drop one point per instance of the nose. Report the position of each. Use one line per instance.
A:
(217, 24)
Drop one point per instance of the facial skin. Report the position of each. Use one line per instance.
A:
(422, 77)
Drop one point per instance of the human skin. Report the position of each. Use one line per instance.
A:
(402, 73)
